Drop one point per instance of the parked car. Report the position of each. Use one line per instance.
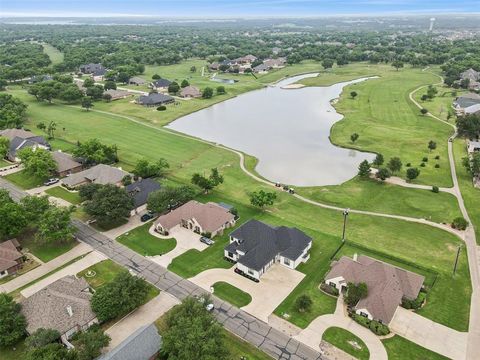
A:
(146, 217)
(207, 241)
(51, 181)
(278, 184)
(291, 191)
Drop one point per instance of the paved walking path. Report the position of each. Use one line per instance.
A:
(45, 268)
(312, 335)
(142, 316)
(72, 269)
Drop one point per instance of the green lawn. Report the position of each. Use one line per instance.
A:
(104, 272)
(343, 340)
(55, 55)
(231, 294)
(142, 242)
(399, 348)
(62, 193)
(24, 180)
(44, 252)
(17, 352)
(4, 163)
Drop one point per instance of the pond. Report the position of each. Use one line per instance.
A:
(287, 130)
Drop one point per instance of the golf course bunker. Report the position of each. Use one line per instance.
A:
(286, 129)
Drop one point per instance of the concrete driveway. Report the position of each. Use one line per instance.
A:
(274, 286)
(186, 240)
(144, 315)
(133, 222)
(431, 335)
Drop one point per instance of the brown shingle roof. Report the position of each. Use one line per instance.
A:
(191, 91)
(64, 161)
(210, 216)
(8, 255)
(48, 308)
(387, 284)
(99, 174)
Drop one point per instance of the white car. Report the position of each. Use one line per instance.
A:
(51, 181)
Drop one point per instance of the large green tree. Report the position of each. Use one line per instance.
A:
(89, 343)
(35, 207)
(109, 204)
(12, 112)
(37, 162)
(42, 337)
(53, 351)
(4, 146)
(146, 169)
(12, 322)
(55, 226)
(95, 152)
(12, 220)
(209, 183)
(262, 198)
(169, 196)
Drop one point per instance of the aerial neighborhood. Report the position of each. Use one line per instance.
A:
(162, 196)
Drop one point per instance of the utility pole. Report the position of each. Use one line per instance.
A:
(345, 215)
(456, 259)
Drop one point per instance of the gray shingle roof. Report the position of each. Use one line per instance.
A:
(467, 100)
(65, 162)
(161, 83)
(140, 190)
(99, 174)
(140, 345)
(154, 99)
(262, 242)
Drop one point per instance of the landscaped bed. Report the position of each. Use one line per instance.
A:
(231, 294)
(347, 342)
(399, 348)
(62, 193)
(141, 241)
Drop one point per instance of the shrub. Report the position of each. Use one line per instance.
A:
(207, 234)
(435, 189)
(303, 303)
(437, 157)
(161, 108)
(425, 159)
(329, 289)
(459, 223)
(422, 164)
(408, 165)
(437, 166)
(416, 303)
(355, 292)
(376, 327)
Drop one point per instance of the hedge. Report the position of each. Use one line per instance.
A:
(376, 327)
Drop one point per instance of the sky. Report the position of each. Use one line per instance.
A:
(230, 8)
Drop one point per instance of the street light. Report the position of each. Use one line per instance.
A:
(345, 215)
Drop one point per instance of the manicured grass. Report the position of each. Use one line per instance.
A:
(44, 252)
(8, 353)
(141, 241)
(105, 271)
(341, 339)
(231, 294)
(399, 348)
(389, 123)
(24, 180)
(4, 163)
(62, 193)
(55, 55)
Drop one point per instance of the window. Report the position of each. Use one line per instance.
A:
(3, 273)
(230, 255)
(286, 261)
(363, 314)
(250, 272)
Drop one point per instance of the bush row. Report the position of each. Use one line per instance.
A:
(376, 327)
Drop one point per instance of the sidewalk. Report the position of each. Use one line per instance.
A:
(80, 249)
(72, 269)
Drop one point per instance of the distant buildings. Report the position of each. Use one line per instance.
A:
(20, 139)
(246, 63)
(155, 99)
(96, 71)
(190, 92)
(463, 104)
(136, 81)
(160, 85)
(11, 259)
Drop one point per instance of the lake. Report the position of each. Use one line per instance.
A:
(287, 130)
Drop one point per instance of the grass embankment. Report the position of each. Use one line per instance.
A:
(413, 242)
(231, 294)
(399, 348)
(141, 241)
(345, 340)
(55, 55)
(62, 193)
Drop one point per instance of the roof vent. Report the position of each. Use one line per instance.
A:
(69, 311)
(355, 257)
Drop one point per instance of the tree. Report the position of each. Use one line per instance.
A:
(54, 351)
(156, 77)
(412, 173)
(12, 220)
(109, 85)
(120, 296)
(472, 164)
(221, 90)
(459, 223)
(423, 111)
(12, 322)
(327, 63)
(378, 161)
(3, 84)
(262, 198)
(303, 303)
(364, 169)
(193, 69)
(71, 93)
(34, 207)
(394, 164)
(184, 83)
(354, 137)
(353, 94)
(88, 82)
(89, 343)
(355, 292)
(424, 97)
(207, 93)
(431, 91)
(95, 92)
(167, 197)
(146, 169)
(4, 146)
(87, 191)
(109, 204)
(47, 93)
(432, 145)
(42, 337)
(13, 112)
(209, 183)
(193, 333)
(468, 126)
(397, 64)
(52, 126)
(107, 97)
(123, 77)
(382, 174)
(55, 225)
(94, 152)
(173, 88)
(38, 162)
(87, 103)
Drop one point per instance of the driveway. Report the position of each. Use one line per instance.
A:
(72, 269)
(431, 335)
(274, 286)
(144, 315)
(186, 240)
(133, 222)
(41, 189)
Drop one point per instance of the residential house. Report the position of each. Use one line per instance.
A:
(470, 74)
(155, 99)
(255, 246)
(64, 305)
(143, 344)
(464, 101)
(20, 139)
(275, 63)
(39, 78)
(136, 81)
(387, 285)
(474, 85)
(200, 218)
(66, 164)
(472, 110)
(261, 69)
(92, 69)
(276, 50)
(473, 146)
(160, 84)
(190, 92)
(11, 259)
(98, 174)
(139, 191)
(118, 94)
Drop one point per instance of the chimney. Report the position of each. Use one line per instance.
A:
(69, 311)
(355, 256)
